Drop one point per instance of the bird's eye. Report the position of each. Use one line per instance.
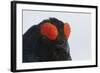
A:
(67, 30)
(49, 30)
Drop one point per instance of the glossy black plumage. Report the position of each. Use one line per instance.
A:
(38, 48)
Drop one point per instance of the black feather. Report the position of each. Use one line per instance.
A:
(35, 48)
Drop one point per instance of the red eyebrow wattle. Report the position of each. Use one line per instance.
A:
(67, 30)
(49, 30)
